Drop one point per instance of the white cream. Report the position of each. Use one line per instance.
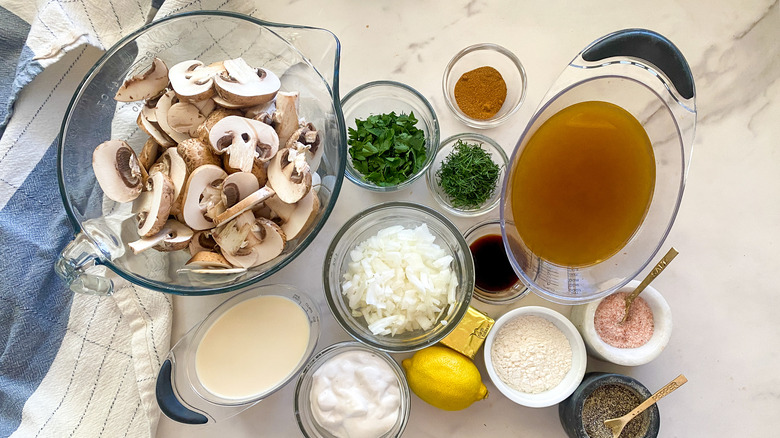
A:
(252, 347)
(356, 394)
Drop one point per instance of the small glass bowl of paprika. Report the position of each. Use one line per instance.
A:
(484, 85)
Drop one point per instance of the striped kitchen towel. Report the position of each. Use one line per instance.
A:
(70, 365)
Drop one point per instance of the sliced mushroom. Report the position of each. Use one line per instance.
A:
(149, 153)
(118, 170)
(185, 118)
(206, 106)
(238, 186)
(202, 241)
(273, 240)
(197, 153)
(285, 117)
(192, 81)
(225, 104)
(244, 205)
(308, 136)
(202, 197)
(289, 175)
(236, 240)
(295, 217)
(264, 108)
(154, 213)
(173, 165)
(244, 140)
(241, 84)
(208, 260)
(164, 105)
(212, 119)
(153, 130)
(145, 85)
(173, 236)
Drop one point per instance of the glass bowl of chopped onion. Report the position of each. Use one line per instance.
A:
(466, 174)
(392, 135)
(398, 277)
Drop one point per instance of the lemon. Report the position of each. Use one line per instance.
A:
(444, 378)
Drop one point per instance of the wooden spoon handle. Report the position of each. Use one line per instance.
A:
(661, 393)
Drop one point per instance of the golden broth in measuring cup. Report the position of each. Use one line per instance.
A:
(583, 184)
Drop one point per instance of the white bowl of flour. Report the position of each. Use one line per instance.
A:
(535, 356)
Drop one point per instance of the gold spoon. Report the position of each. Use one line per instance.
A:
(617, 424)
(670, 255)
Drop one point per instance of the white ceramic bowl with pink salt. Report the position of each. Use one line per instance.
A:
(637, 341)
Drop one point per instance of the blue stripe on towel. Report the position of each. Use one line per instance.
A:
(17, 67)
(34, 303)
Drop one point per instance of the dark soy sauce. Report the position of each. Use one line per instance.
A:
(492, 270)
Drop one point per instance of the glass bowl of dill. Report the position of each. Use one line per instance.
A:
(466, 174)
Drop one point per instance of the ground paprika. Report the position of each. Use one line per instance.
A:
(480, 93)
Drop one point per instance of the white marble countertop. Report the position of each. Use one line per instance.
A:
(722, 293)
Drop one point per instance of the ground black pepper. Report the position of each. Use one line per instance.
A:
(612, 401)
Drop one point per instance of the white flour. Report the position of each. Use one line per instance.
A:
(530, 354)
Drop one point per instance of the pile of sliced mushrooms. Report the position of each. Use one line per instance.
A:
(227, 171)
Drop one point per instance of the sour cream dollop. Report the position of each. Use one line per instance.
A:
(356, 394)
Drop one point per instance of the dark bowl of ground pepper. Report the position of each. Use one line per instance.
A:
(484, 84)
(602, 396)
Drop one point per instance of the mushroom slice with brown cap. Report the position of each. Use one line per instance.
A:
(308, 136)
(208, 260)
(289, 175)
(152, 129)
(272, 239)
(244, 205)
(173, 236)
(164, 105)
(202, 241)
(236, 240)
(173, 165)
(241, 84)
(145, 85)
(185, 118)
(264, 108)
(295, 217)
(285, 118)
(202, 197)
(244, 140)
(192, 81)
(238, 186)
(149, 153)
(118, 170)
(154, 212)
(196, 153)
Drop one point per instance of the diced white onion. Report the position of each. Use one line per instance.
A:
(399, 280)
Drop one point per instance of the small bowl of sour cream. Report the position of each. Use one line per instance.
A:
(352, 390)
(638, 340)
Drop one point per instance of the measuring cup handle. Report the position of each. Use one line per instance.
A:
(651, 47)
(169, 404)
(73, 264)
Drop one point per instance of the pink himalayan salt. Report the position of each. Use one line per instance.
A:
(635, 332)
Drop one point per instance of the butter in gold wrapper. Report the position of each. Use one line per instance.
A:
(469, 335)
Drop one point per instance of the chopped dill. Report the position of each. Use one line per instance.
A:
(468, 176)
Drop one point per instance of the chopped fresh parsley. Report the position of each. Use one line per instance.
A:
(387, 149)
(468, 176)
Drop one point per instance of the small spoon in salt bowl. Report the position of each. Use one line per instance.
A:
(670, 255)
(617, 424)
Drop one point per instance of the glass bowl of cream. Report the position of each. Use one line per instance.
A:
(352, 390)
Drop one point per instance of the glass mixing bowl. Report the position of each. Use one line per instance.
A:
(305, 59)
(646, 75)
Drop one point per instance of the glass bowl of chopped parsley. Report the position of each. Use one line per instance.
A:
(466, 174)
(392, 135)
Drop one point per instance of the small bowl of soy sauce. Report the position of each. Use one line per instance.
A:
(495, 282)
